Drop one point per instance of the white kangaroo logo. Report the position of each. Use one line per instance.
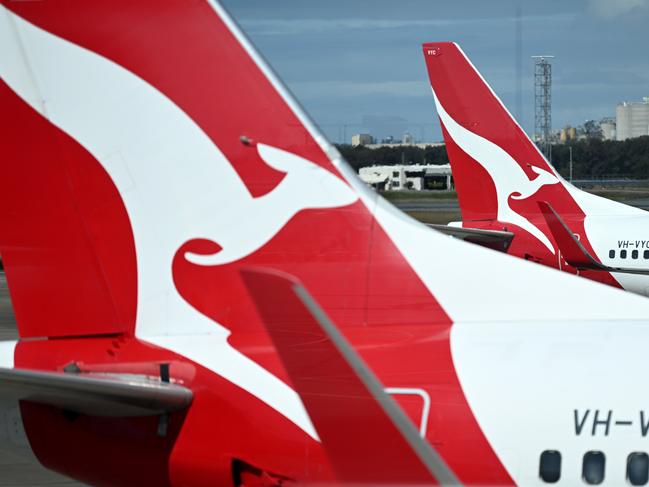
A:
(306, 185)
(176, 186)
(508, 176)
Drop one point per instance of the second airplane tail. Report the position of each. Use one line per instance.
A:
(493, 160)
(499, 173)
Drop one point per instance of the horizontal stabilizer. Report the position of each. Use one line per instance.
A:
(492, 239)
(367, 437)
(108, 395)
(572, 250)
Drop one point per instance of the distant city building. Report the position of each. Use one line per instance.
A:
(361, 139)
(414, 177)
(568, 134)
(368, 141)
(608, 128)
(632, 119)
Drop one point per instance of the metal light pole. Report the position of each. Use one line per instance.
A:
(543, 103)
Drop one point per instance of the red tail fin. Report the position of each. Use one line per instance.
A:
(491, 156)
(499, 173)
(147, 173)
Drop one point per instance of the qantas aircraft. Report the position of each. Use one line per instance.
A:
(206, 294)
(508, 192)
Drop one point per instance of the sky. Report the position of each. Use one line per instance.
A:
(356, 65)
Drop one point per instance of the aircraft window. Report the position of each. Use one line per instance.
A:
(550, 466)
(634, 254)
(645, 254)
(611, 254)
(622, 254)
(637, 468)
(593, 467)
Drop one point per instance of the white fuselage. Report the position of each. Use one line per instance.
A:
(623, 241)
(572, 387)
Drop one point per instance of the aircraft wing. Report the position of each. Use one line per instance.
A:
(114, 395)
(572, 250)
(367, 437)
(492, 239)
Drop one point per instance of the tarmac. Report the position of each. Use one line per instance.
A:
(443, 205)
(16, 471)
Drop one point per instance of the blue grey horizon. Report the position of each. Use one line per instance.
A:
(357, 66)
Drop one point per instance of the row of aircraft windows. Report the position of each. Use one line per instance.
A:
(623, 254)
(594, 466)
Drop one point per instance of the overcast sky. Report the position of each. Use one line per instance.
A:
(359, 63)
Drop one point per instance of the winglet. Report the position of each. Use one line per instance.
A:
(368, 438)
(572, 250)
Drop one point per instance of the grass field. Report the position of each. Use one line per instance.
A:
(440, 217)
(438, 212)
(621, 194)
(418, 195)
(615, 193)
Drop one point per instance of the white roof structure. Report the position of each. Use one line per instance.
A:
(433, 169)
(374, 178)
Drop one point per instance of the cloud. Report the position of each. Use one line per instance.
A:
(601, 76)
(300, 26)
(609, 9)
(347, 89)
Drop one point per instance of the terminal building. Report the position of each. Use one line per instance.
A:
(414, 177)
(632, 119)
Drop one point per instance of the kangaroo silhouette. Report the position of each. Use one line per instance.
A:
(508, 176)
(306, 185)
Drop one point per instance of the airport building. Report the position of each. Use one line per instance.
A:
(414, 177)
(632, 119)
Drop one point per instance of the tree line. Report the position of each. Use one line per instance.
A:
(592, 158)
(361, 156)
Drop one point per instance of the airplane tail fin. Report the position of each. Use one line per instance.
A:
(499, 173)
(135, 159)
(139, 174)
(492, 158)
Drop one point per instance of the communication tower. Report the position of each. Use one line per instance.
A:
(543, 103)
